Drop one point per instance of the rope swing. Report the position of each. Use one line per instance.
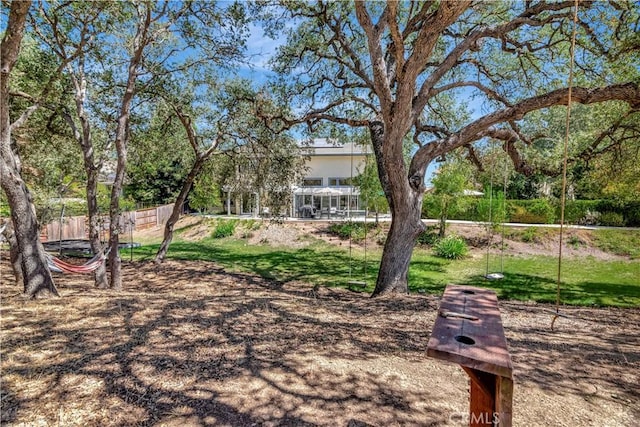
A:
(564, 165)
(500, 275)
(352, 282)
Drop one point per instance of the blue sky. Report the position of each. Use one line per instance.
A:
(260, 49)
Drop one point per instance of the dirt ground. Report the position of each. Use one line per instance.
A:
(189, 344)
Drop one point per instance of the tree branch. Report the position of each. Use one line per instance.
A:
(380, 79)
(480, 128)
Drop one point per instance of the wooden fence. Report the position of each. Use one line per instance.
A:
(72, 228)
(77, 227)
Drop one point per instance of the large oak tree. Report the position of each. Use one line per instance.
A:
(28, 255)
(412, 69)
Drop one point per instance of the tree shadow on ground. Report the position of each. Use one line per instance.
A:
(275, 264)
(591, 353)
(187, 343)
(222, 350)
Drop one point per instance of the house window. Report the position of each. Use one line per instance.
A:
(312, 182)
(339, 182)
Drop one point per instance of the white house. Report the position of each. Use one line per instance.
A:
(326, 189)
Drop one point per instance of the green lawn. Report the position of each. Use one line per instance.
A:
(584, 281)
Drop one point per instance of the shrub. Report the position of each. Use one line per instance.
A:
(224, 229)
(529, 235)
(341, 229)
(537, 211)
(632, 214)
(428, 237)
(252, 225)
(574, 241)
(612, 219)
(451, 247)
(578, 211)
(353, 230)
(629, 211)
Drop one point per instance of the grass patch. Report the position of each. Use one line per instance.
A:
(619, 242)
(531, 234)
(588, 282)
(279, 264)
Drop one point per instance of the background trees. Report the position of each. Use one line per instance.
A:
(114, 55)
(159, 158)
(448, 194)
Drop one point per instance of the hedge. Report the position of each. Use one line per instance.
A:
(545, 211)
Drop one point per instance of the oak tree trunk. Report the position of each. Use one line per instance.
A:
(115, 217)
(404, 195)
(115, 262)
(100, 274)
(36, 276)
(84, 138)
(398, 249)
(37, 280)
(140, 40)
(14, 254)
(177, 208)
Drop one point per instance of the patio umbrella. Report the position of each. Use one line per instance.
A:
(328, 191)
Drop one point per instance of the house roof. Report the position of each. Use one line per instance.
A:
(328, 147)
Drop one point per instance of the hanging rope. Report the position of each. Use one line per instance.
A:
(490, 220)
(564, 162)
(504, 215)
(490, 231)
(351, 227)
(366, 211)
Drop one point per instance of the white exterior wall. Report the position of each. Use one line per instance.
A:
(326, 167)
(330, 161)
(326, 161)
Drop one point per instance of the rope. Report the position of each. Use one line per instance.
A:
(366, 210)
(490, 219)
(564, 162)
(504, 216)
(490, 228)
(349, 213)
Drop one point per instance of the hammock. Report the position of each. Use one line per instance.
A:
(90, 266)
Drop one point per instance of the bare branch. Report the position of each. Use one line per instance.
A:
(472, 156)
(491, 94)
(380, 79)
(398, 40)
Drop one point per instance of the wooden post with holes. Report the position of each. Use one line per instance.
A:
(468, 331)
